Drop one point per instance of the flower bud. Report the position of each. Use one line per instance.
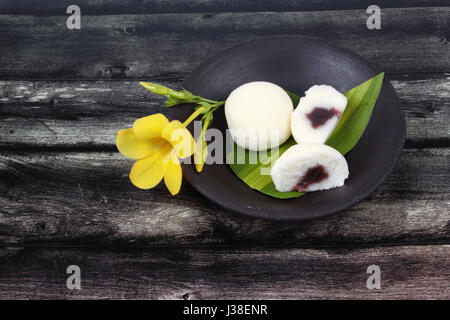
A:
(201, 152)
(156, 88)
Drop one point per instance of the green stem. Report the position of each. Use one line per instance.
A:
(194, 115)
(207, 100)
(203, 109)
(220, 103)
(217, 105)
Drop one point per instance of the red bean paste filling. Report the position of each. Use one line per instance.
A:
(319, 116)
(312, 175)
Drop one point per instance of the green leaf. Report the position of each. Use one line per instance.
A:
(360, 103)
(252, 172)
(295, 98)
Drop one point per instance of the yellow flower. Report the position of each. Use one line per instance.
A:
(157, 145)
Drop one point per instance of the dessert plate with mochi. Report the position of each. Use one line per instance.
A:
(324, 127)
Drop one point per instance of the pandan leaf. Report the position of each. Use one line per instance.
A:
(351, 126)
(295, 98)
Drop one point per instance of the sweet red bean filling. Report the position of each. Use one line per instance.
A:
(319, 116)
(312, 175)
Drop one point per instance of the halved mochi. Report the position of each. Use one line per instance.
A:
(317, 114)
(309, 167)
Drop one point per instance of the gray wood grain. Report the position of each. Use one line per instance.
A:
(130, 46)
(413, 272)
(103, 7)
(85, 114)
(63, 184)
(86, 198)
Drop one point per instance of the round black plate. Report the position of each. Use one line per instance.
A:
(296, 63)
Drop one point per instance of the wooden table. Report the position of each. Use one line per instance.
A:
(66, 200)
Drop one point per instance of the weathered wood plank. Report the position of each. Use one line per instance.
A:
(407, 272)
(102, 7)
(85, 114)
(86, 198)
(130, 46)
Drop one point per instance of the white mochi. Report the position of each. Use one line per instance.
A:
(290, 169)
(259, 115)
(327, 99)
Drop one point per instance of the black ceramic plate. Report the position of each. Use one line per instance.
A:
(296, 63)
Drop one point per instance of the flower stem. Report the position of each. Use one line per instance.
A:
(194, 115)
(203, 110)
(207, 100)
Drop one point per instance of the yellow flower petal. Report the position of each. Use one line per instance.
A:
(173, 175)
(180, 137)
(148, 172)
(131, 146)
(150, 127)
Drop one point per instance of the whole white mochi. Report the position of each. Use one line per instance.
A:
(259, 115)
